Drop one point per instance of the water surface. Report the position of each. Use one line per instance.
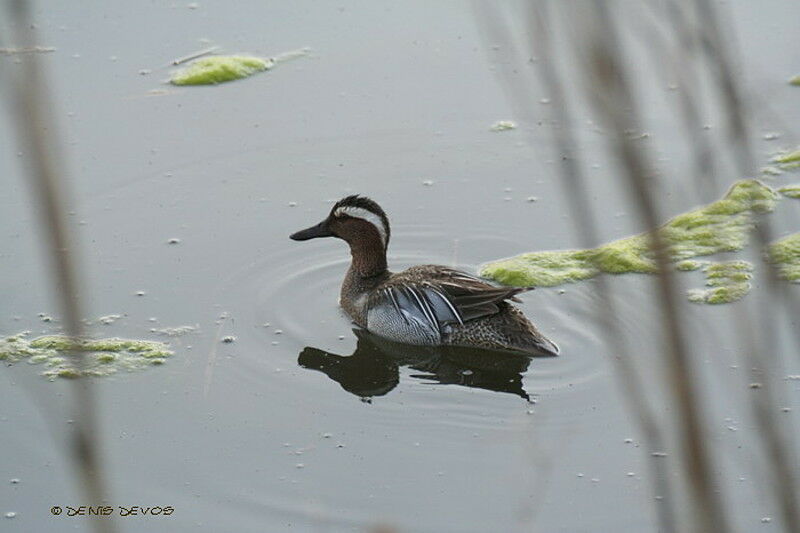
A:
(394, 102)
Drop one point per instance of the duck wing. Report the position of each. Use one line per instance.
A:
(437, 296)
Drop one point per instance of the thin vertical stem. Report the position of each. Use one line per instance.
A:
(35, 127)
(614, 102)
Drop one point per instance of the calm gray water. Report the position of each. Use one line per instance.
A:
(239, 436)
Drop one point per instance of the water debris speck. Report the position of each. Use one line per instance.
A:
(107, 320)
(503, 125)
(195, 55)
(228, 339)
(14, 481)
(26, 50)
(140, 293)
(795, 80)
(103, 357)
(428, 183)
(178, 331)
(174, 240)
(10, 514)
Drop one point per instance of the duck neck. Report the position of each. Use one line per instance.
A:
(368, 259)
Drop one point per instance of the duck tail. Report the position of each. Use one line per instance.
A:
(540, 346)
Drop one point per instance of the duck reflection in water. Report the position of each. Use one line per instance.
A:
(374, 368)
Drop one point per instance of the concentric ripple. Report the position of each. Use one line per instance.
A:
(289, 300)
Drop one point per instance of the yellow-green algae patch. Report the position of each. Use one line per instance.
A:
(795, 80)
(785, 254)
(103, 357)
(689, 265)
(791, 191)
(219, 69)
(722, 226)
(726, 282)
(788, 160)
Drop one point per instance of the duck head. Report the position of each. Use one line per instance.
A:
(355, 219)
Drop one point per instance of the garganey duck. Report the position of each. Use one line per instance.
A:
(428, 305)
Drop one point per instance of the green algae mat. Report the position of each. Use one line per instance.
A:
(722, 226)
(103, 357)
(789, 160)
(791, 191)
(725, 282)
(219, 69)
(785, 254)
(214, 70)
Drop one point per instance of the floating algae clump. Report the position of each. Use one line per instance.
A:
(542, 269)
(503, 125)
(791, 191)
(721, 226)
(727, 282)
(785, 254)
(689, 265)
(219, 69)
(787, 160)
(103, 356)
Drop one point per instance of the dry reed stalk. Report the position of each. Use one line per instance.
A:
(573, 187)
(36, 130)
(759, 354)
(614, 101)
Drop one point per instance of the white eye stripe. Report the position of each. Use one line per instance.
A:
(364, 214)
